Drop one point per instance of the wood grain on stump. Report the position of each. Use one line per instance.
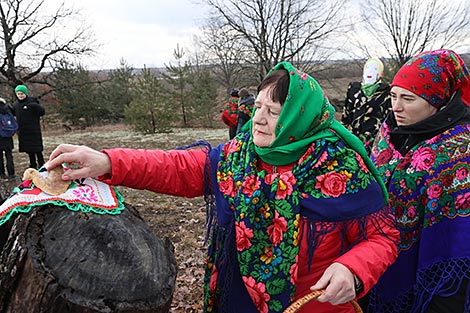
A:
(57, 260)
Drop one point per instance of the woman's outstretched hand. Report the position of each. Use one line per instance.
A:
(83, 161)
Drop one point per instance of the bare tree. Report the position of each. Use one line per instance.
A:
(406, 27)
(281, 30)
(224, 50)
(33, 40)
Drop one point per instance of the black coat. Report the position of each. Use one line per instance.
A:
(28, 113)
(6, 143)
(364, 115)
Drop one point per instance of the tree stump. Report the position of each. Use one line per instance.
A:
(57, 260)
(6, 188)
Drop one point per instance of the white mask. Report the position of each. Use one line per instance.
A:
(372, 72)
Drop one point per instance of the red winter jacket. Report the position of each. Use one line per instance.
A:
(181, 173)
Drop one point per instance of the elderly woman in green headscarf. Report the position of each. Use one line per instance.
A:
(294, 202)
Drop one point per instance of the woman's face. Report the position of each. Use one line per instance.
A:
(409, 108)
(265, 118)
(20, 95)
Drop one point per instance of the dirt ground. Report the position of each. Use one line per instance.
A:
(182, 220)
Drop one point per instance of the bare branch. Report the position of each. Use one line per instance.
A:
(281, 30)
(33, 39)
(404, 28)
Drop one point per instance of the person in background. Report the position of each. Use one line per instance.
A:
(294, 201)
(230, 113)
(28, 112)
(6, 146)
(423, 155)
(367, 103)
(245, 107)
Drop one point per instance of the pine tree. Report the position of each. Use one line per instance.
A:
(149, 111)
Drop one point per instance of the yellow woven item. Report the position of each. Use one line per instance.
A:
(296, 305)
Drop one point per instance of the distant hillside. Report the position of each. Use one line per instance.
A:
(334, 77)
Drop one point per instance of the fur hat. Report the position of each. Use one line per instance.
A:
(21, 88)
(246, 98)
(243, 93)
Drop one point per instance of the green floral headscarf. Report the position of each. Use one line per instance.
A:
(307, 116)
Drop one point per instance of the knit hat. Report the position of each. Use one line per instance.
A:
(435, 76)
(21, 88)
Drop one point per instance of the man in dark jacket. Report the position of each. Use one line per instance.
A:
(28, 112)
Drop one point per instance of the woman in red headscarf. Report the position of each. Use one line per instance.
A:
(423, 154)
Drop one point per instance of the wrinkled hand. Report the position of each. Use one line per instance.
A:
(91, 163)
(338, 282)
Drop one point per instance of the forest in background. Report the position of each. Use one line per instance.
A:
(155, 100)
(239, 42)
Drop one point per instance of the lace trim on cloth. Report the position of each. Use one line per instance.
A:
(85, 195)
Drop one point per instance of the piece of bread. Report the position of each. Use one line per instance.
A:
(52, 184)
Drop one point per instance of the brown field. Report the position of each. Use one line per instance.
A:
(181, 220)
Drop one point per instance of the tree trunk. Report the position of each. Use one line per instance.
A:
(57, 260)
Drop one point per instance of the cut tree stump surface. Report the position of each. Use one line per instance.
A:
(65, 261)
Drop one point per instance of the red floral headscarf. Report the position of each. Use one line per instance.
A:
(435, 76)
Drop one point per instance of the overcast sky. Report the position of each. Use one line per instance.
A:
(142, 32)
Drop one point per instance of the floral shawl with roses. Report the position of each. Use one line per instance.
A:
(429, 190)
(254, 244)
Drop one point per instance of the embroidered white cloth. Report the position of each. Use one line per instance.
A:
(86, 195)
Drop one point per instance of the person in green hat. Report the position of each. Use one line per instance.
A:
(295, 204)
(28, 112)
